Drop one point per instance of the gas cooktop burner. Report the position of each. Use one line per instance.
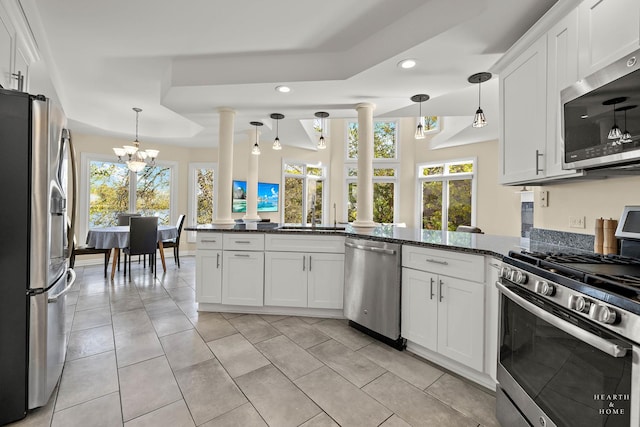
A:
(611, 274)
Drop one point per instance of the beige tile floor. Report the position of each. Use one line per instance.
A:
(140, 354)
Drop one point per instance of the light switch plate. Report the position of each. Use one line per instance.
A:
(543, 199)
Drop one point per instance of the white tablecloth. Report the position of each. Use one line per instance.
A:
(118, 236)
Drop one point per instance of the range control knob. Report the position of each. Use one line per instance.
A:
(543, 288)
(603, 314)
(518, 277)
(505, 272)
(579, 303)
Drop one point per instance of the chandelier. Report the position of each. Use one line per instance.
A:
(136, 159)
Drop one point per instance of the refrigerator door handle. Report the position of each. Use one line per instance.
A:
(66, 135)
(72, 281)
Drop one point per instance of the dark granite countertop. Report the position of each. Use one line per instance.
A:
(485, 244)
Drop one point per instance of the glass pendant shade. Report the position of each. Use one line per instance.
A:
(420, 98)
(615, 133)
(276, 142)
(626, 135)
(321, 143)
(256, 147)
(322, 115)
(479, 120)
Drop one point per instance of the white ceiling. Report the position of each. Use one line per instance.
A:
(180, 61)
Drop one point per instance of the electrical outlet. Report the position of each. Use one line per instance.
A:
(576, 221)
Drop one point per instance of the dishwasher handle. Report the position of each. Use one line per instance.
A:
(370, 248)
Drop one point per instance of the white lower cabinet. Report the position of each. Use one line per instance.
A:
(208, 276)
(294, 279)
(242, 278)
(445, 315)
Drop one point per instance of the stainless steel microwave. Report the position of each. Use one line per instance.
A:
(601, 117)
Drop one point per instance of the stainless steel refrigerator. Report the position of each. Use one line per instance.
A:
(34, 249)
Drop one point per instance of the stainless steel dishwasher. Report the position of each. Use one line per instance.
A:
(372, 289)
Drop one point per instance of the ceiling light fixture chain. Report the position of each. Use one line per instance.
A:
(276, 142)
(420, 98)
(322, 115)
(479, 120)
(136, 158)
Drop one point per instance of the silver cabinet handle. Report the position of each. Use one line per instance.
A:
(441, 283)
(217, 260)
(437, 261)
(431, 289)
(309, 262)
(538, 155)
(243, 241)
(54, 298)
(601, 344)
(304, 263)
(208, 241)
(496, 266)
(242, 255)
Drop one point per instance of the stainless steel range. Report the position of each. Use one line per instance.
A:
(570, 339)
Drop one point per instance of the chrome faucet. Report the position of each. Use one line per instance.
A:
(313, 210)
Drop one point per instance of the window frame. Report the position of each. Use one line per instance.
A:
(445, 178)
(395, 159)
(305, 176)
(192, 202)
(82, 222)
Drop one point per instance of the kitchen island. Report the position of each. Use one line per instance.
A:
(449, 304)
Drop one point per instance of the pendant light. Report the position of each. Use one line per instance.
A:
(479, 120)
(420, 98)
(614, 132)
(256, 146)
(626, 135)
(321, 142)
(137, 159)
(276, 142)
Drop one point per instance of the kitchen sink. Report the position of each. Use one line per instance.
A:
(309, 228)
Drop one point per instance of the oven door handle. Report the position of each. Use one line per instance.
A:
(601, 344)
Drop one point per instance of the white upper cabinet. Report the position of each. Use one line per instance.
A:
(523, 113)
(562, 71)
(609, 30)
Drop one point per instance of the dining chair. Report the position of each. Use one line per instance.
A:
(175, 243)
(87, 250)
(123, 219)
(143, 240)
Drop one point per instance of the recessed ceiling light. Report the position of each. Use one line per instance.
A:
(283, 89)
(407, 63)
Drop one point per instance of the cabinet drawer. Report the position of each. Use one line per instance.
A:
(243, 241)
(449, 263)
(306, 243)
(208, 240)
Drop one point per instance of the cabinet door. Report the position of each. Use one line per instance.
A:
(242, 278)
(419, 322)
(562, 55)
(523, 98)
(461, 321)
(208, 276)
(609, 29)
(326, 280)
(285, 279)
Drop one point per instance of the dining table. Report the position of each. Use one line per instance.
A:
(116, 237)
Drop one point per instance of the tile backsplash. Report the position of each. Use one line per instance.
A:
(561, 241)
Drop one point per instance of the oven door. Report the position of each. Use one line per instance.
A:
(557, 369)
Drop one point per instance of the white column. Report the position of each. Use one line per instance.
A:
(225, 167)
(252, 179)
(364, 213)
